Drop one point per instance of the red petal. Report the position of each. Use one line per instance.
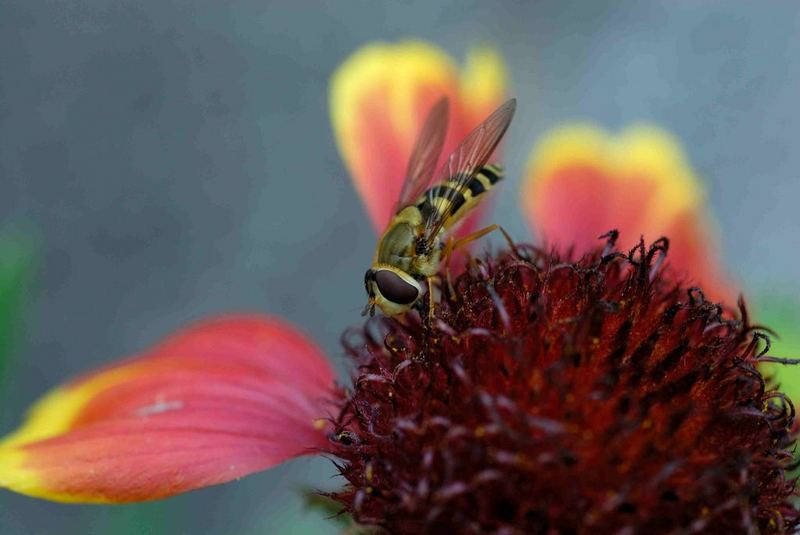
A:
(215, 402)
(695, 258)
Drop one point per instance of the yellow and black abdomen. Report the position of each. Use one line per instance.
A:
(462, 197)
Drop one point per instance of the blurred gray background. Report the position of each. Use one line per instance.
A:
(175, 159)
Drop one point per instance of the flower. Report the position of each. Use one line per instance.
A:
(577, 390)
(552, 395)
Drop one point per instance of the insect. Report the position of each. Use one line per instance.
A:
(413, 245)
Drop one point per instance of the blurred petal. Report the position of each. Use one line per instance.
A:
(484, 82)
(379, 99)
(582, 182)
(484, 87)
(567, 174)
(217, 401)
(694, 255)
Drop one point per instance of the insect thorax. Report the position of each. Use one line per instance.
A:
(398, 246)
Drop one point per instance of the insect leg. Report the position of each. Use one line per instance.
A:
(454, 245)
(429, 280)
(510, 242)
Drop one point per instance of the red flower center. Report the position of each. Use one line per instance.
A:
(550, 394)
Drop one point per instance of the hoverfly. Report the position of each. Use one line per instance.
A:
(412, 247)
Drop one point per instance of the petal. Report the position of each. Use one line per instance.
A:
(694, 256)
(483, 88)
(567, 173)
(379, 98)
(646, 154)
(217, 401)
(581, 182)
(484, 83)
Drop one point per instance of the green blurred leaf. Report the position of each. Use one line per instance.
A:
(781, 313)
(16, 270)
(333, 511)
(151, 518)
(326, 506)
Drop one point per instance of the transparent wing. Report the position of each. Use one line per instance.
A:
(464, 164)
(425, 155)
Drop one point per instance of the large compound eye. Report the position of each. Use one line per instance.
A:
(394, 288)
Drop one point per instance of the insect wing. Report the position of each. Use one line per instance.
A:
(465, 162)
(425, 155)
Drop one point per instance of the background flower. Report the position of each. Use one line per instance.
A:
(581, 182)
(179, 161)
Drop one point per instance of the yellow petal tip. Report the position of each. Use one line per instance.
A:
(15, 476)
(484, 80)
(640, 152)
(396, 69)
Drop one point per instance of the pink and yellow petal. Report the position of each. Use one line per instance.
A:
(569, 181)
(651, 155)
(215, 402)
(483, 84)
(694, 256)
(379, 98)
(582, 182)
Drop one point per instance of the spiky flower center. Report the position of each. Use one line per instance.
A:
(549, 395)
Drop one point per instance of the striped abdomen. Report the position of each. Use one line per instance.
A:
(464, 199)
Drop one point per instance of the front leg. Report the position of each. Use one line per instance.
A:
(429, 280)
